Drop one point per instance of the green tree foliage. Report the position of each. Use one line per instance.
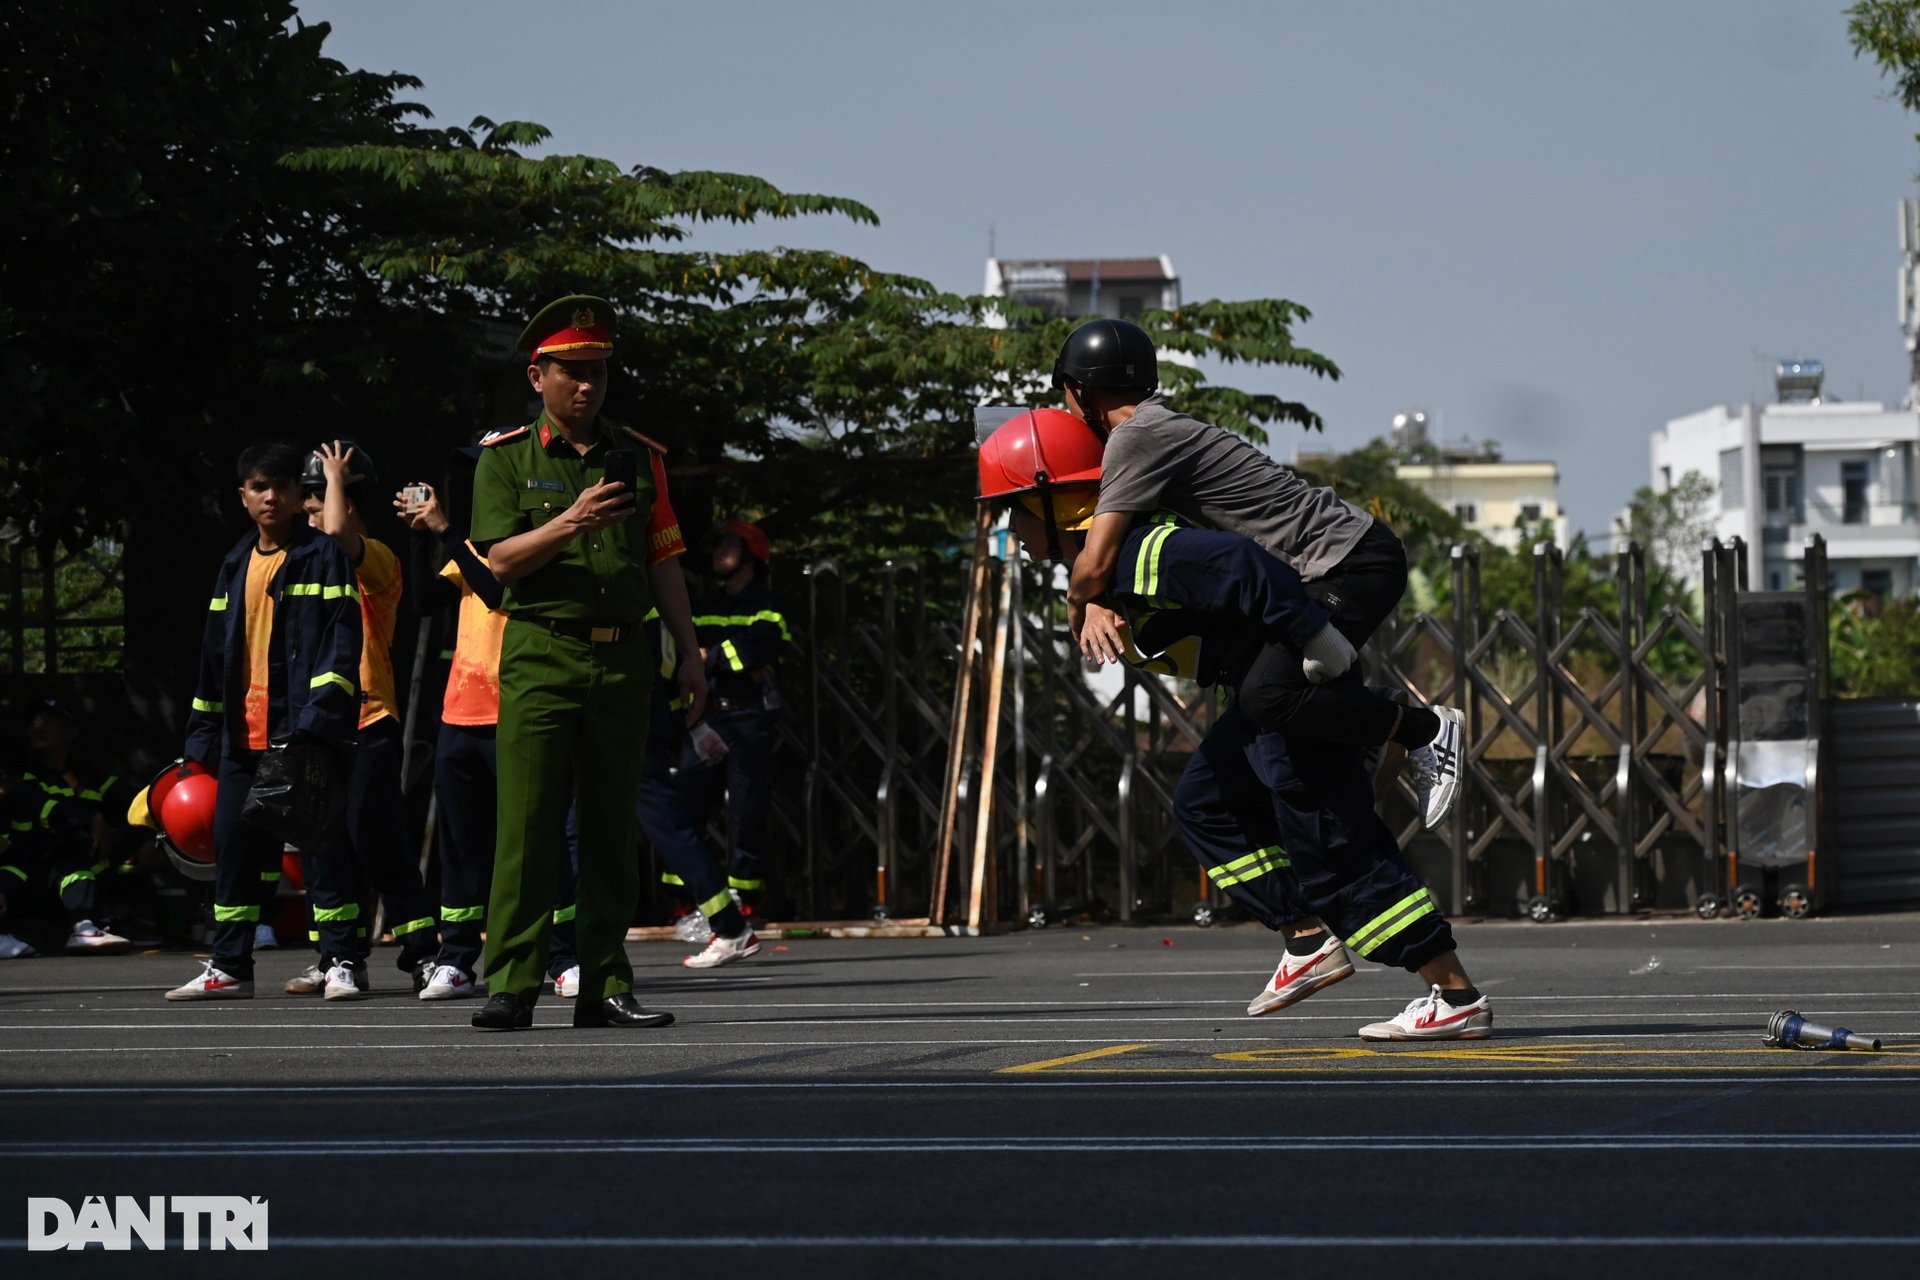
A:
(1673, 524)
(216, 233)
(1874, 646)
(830, 398)
(1888, 31)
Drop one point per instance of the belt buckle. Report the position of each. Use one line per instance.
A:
(602, 635)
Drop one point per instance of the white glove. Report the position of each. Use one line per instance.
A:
(1327, 656)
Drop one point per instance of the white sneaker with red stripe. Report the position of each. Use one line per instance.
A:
(723, 951)
(1300, 976)
(214, 984)
(1431, 1017)
(566, 985)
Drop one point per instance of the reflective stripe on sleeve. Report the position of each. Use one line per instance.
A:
(333, 677)
(212, 708)
(745, 620)
(565, 914)
(733, 655)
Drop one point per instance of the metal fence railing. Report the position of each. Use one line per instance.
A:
(963, 766)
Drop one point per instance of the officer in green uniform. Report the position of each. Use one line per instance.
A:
(583, 558)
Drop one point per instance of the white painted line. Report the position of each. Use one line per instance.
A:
(1201, 1145)
(1189, 1242)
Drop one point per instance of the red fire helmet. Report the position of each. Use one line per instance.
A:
(1038, 449)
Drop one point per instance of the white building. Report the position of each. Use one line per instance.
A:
(1805, 465)
(1120, 288)
(1492, 496)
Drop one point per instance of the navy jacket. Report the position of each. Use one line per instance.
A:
(314, 664)
(743, 634)
(1177, 585)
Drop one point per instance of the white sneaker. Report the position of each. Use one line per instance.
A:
(12, 948)
(265, 939)
(347, 980)
(1436, 767)
(693, 927)
(214, 984)
(567, 985)
(724, 951)
(1300, 976)
(89, 938)
(447, 982)
(310, 981)
(1432, 1018)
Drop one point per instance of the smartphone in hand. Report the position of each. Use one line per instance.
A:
(623, 468)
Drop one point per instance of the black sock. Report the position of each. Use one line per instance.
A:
(1461, 996)
(1305, 944)
(727, 922)
(1417, 728)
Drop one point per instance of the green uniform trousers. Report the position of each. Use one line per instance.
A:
(573, 726)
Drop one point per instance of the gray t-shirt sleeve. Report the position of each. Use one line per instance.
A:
(1135, 471)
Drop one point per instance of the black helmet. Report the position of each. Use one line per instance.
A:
(314, 476)
(1108, 353)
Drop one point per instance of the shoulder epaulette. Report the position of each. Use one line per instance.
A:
(502, 436)
(652, 444)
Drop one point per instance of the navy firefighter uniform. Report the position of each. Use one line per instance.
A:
(742, 628)
(297, 623)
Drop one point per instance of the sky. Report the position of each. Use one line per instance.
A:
(1554, 225)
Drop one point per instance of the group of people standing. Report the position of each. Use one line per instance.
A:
(588, 695)
(580, 667)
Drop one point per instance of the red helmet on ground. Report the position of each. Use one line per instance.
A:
(751, 536)
(186, 820)
(1039, 449)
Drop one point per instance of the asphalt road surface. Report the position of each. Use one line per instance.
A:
(1062, 1103)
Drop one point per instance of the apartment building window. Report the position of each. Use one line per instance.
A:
(1466, 512)
(1853, 493)
(1877, 583)
(1529, 511)
(1783, 496)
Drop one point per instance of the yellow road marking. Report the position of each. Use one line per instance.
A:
(1090, 1055)
(1590, 1056)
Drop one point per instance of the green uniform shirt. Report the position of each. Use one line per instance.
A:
(526, 479)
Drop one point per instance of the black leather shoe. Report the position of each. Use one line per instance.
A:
(505, 1012)
(617, 1011)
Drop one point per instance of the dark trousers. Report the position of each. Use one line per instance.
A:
(377, 834)
(1359, 594)
(669, 824)
(246, 857)
(1292, 834)
(746, 778)
(39, 871)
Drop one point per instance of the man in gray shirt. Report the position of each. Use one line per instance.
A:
(1160, 460)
